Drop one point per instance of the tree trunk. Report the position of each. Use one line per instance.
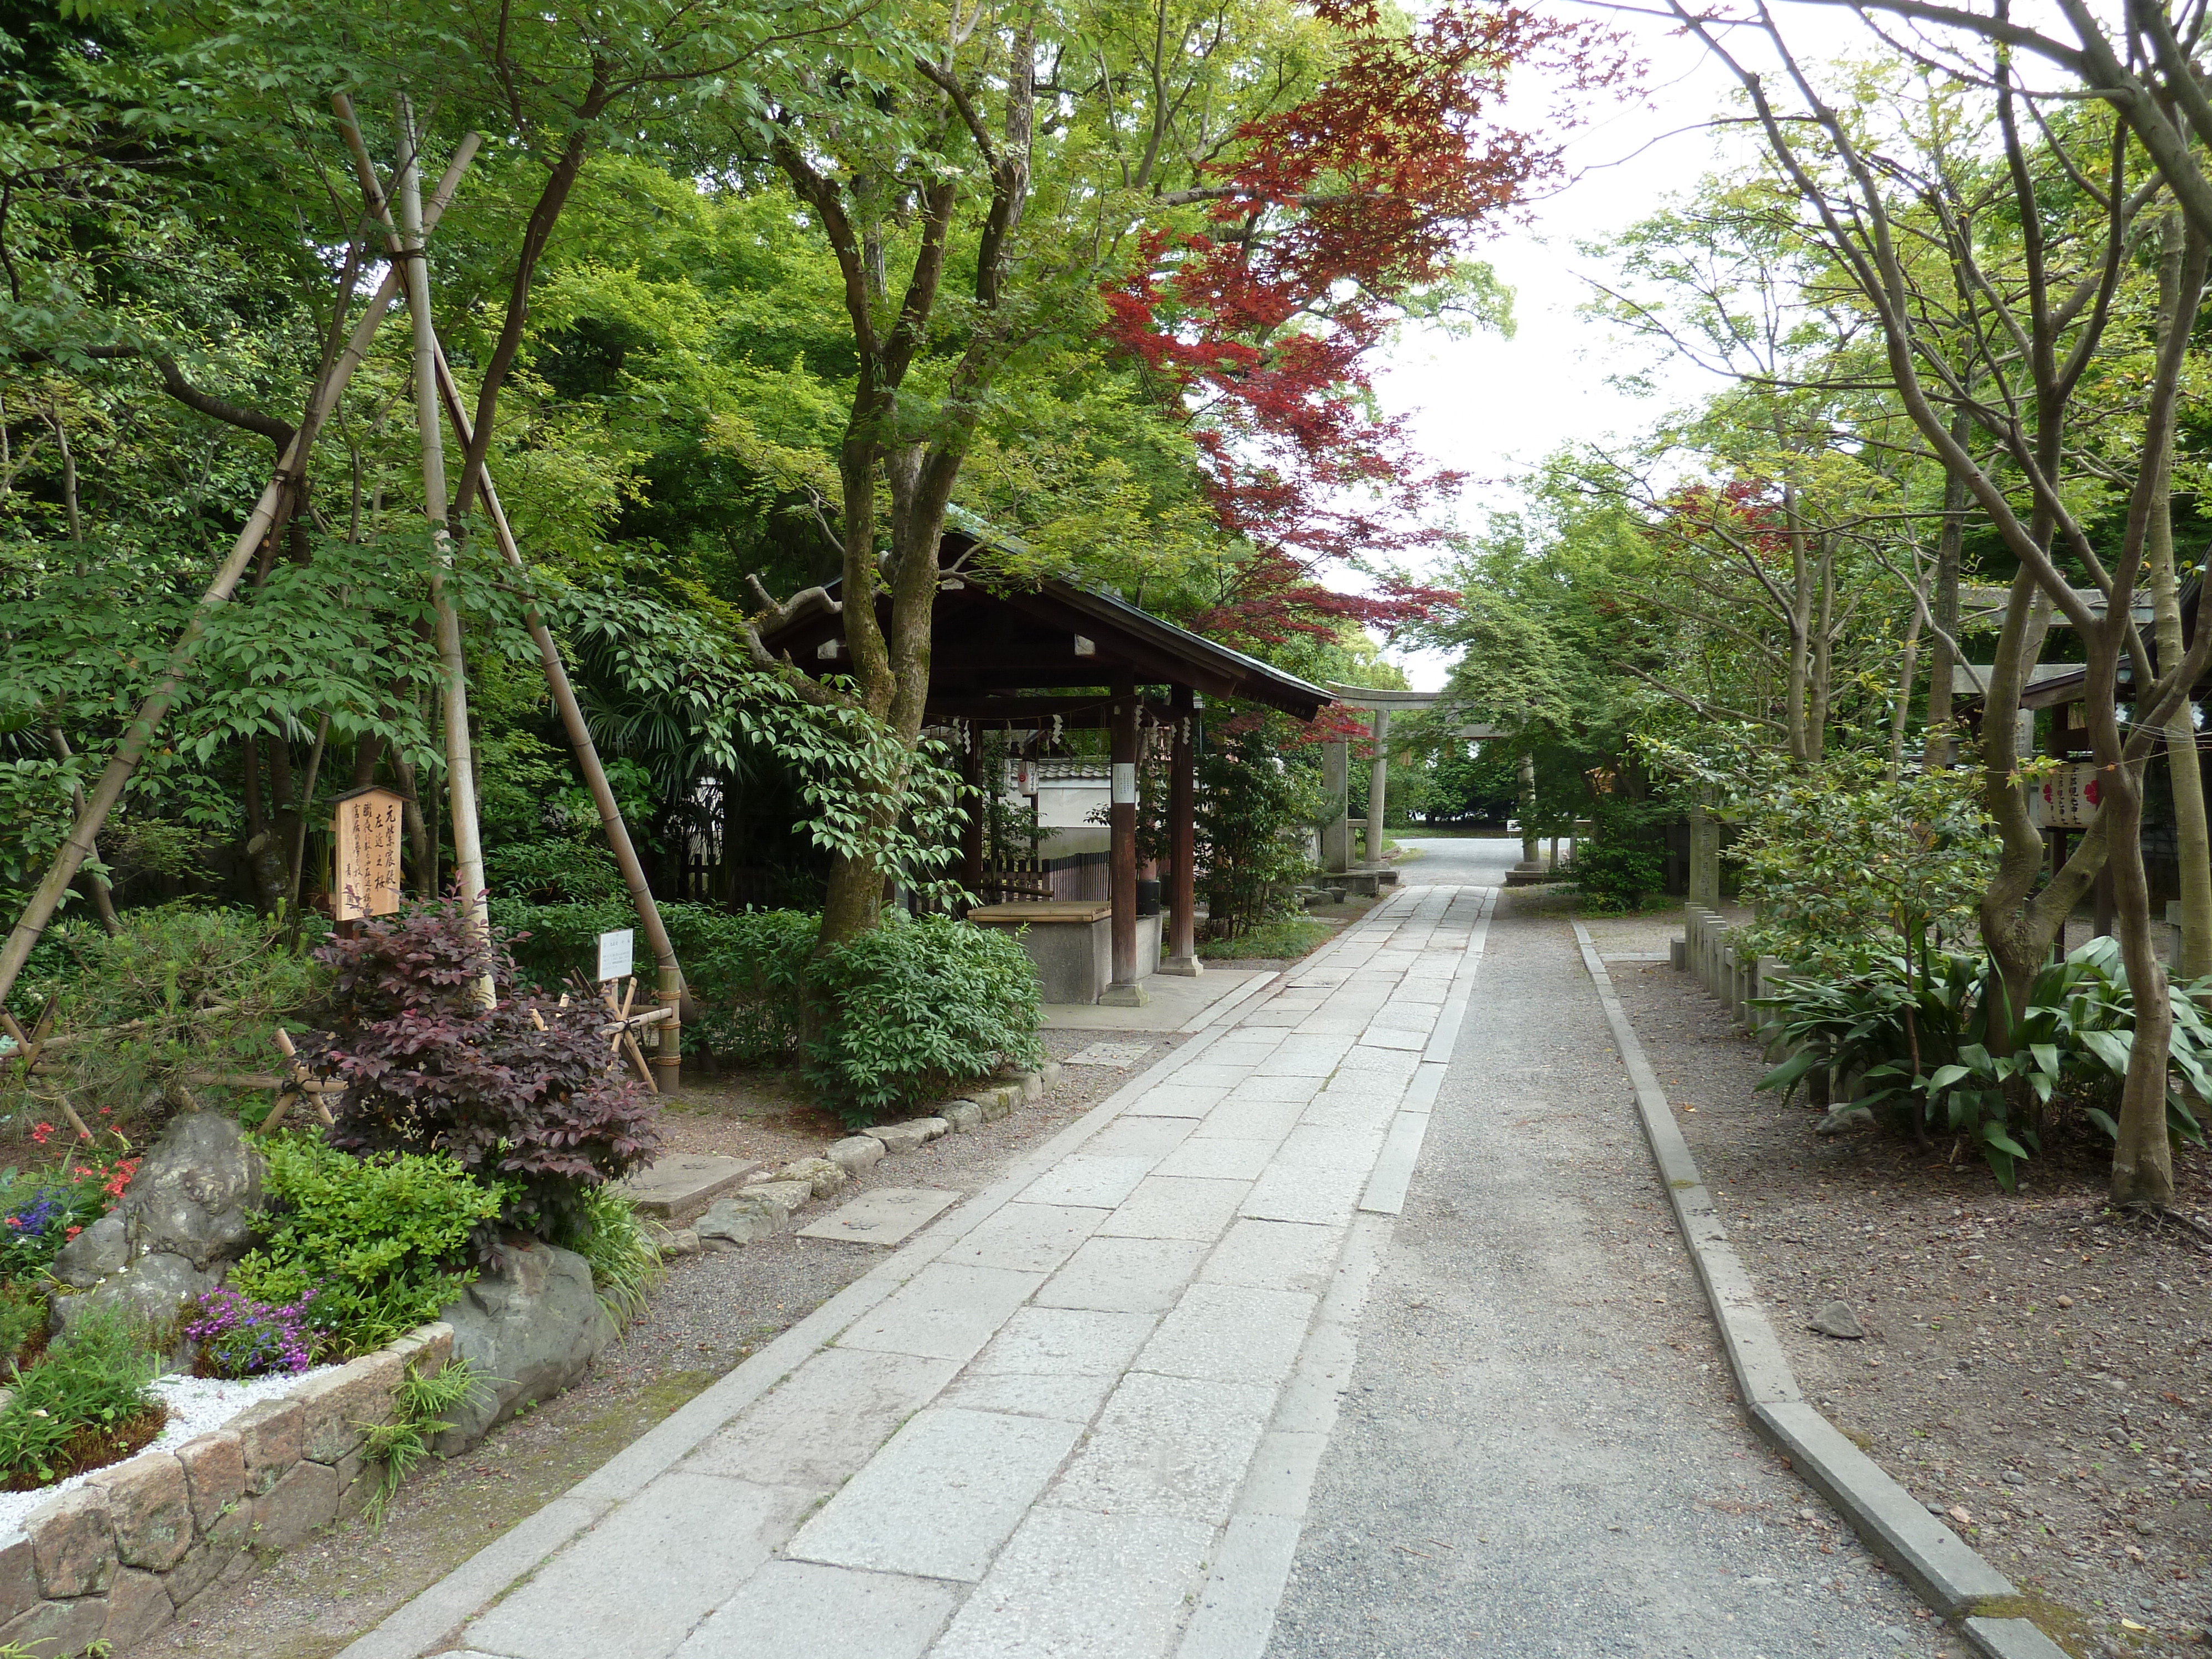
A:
(1907, 667)
(2142, 1158)
(2193, 843)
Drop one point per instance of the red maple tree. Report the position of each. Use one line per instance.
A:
(1328, 215)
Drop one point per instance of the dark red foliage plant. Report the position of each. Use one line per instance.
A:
(427, 1067)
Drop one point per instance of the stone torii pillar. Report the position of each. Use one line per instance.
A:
(1336, 784)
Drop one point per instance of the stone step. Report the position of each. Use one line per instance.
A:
(676, 1187)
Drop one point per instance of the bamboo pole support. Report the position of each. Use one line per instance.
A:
(460, 760)
(138, 736)
(670, 985)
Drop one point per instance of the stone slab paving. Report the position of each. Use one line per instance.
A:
(1067, 1414)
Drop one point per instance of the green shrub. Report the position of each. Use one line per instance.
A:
(743, 969)
(916, 1007)
(72, 1410)
(1623, 862)
(378, 1243)
(170, 971)
(1258, 792)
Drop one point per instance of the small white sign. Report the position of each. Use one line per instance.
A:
(614, 953)
(1125, 783)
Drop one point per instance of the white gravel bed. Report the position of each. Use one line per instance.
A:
(197, 1404)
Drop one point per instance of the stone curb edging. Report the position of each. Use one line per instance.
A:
(120, 1558)
(1946, 1573)
(435, 1616)
(763, 1208)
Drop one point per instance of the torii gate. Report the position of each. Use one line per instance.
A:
(1336, 775)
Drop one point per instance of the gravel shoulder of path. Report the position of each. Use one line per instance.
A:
(2033, 1364)
(712, 1312)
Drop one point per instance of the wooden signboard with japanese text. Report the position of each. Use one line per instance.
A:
(365, 881)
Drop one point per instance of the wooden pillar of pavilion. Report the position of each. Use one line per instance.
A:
(1181, 956)
(971, 834)
(1127, 991)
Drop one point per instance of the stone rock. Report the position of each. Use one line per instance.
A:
(152, 1291)
(197, 1194)
(730, 1222)
(58, 1627)
(269, 1434)
(149, 1511)
(19, 1579)
(70, 1543)
(820, 1174)
(201, 1567)
(101, 1249)
(138, 1605)
(1050, 1073)
(529, 1328)
(215, 1474)
(909, 1136)
(305, 1498)
(963, 1116)
(684, 1241)
(996, 1102)
(341, 1405)
(788, 1196)
(1837, 1320)
(1842, 1120)
(855, 1153)
(1031, 1085)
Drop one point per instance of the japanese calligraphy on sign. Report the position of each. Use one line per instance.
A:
(366, 837)
(2067, 798)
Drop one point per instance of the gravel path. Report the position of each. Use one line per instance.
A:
(1540, 1455)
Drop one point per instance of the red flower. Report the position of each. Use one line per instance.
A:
(40, 1132)
(74, 1231)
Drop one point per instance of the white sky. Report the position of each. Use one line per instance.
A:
(1490, 408)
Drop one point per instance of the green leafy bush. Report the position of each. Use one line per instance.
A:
(86, 1403)
(376, 1245)
(1916, 1033)
(1258, 794)
(744, 968)
(1623, 862)
(194, 988)
(917, 1006)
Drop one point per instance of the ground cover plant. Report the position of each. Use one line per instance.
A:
(85, 1403)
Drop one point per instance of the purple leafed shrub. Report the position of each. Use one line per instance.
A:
(428, 1068)
(240, 1337)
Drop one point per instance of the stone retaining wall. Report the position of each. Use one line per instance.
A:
(120, 1557)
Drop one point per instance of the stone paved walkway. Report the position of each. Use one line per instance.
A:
(1078, 1417)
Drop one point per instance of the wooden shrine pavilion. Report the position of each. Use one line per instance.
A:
(1019, 657)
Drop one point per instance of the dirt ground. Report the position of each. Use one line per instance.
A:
(2035, 1367)
(713, 1311)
